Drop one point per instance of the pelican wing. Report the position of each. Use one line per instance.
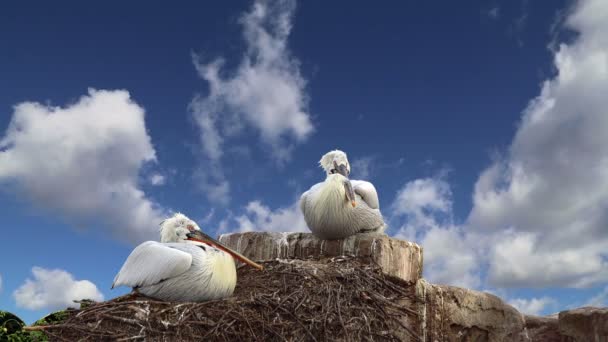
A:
(152, 262)
(368, 193)
(306, 197)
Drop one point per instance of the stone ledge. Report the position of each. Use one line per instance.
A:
(450, 313)
(397, 258)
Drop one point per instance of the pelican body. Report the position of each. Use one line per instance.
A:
(339, 207)
(186, 266)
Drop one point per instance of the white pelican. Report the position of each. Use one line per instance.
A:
(187, 265)
(339, 207)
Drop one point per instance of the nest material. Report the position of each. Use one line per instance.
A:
(291, 300)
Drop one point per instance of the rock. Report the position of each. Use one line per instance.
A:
(450, 313)
(398, 258)
(545, 328)
(587, 324)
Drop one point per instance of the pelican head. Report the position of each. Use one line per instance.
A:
(176, 228)
(335, 162)
(179, 228)
(336, 165)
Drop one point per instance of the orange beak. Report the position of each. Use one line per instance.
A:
(199, 236)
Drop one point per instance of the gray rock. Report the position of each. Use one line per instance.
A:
(397, 258)
(544, 328)
(450, 313)
(446, 313)
(587, 324)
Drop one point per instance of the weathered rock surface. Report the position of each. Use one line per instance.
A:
(450, 313)
(544, 329)
(446, 313)
(585, 324)
(397, 258)
(312, 294)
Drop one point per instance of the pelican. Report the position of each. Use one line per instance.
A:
(340, 207)
(186, 266)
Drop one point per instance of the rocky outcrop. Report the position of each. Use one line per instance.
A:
(312, 290)
(544, 329)
(397, 258)
(450, 313)
(446, 313)
(587, 324)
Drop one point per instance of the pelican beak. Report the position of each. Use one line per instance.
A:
(350, 193)
(342, 169)
(198, 235)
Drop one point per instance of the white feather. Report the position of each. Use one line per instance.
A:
(329, 214)
(177, 269)
(212, 275)
(151, 262)
(368, 193)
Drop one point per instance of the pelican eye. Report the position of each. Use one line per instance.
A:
(332, 171)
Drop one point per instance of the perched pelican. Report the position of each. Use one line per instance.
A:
(339, 207)
(187, 265)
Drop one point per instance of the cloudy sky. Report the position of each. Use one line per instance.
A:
(484, 128)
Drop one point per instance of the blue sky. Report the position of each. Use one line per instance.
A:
(481, 125)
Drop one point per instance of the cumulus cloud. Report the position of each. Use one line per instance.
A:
(266, 93)
(551, 189)
(421, 196)
(259, 217)
(533, 306)
(83, 160)
(157, 179)
(600, 299)
(426, 205)
(361, 168)
(516, 259)
(54, 289)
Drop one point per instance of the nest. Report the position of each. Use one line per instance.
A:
(291, 300)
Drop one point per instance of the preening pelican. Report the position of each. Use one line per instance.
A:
(187, 265)
(340, 207)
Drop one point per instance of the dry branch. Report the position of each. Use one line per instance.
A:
(292, 300)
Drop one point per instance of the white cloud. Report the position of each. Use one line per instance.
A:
(421, 195)
(83, 161)
(449, 257)
(516, 259)
(266, 93)
(426, 205)
(600, 299)
(54, 289)
(259, 217)
(157, 179)
(361, 168)
(533, 306)
(551, 190)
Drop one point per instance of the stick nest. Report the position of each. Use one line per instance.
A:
(341, 298)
